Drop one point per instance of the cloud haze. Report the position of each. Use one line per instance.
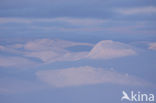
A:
(86, 76)
(108, 49)
(141, 10)
(14, 61)
(152, 46)
(56, 51)
(49, 51)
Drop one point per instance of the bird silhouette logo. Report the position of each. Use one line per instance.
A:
(125, 96)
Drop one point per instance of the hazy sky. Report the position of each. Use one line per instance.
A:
(76, 51)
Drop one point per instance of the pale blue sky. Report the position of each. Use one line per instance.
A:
(69, 51)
